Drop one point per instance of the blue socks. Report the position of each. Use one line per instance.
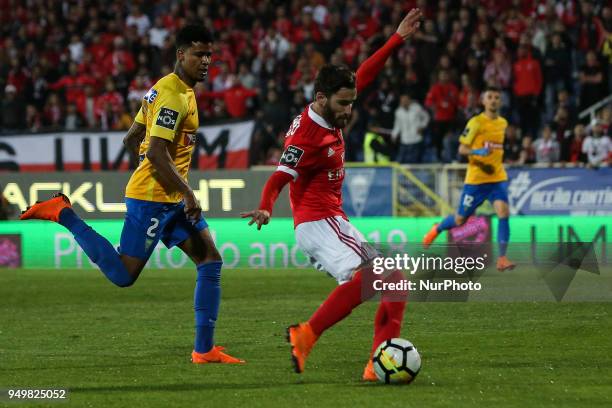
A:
(447, 223)
(97, 248)
(503, 235)
(206, 304)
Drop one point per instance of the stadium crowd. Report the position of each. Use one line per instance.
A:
(68, 65)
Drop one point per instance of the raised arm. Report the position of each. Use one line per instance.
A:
(370, 68)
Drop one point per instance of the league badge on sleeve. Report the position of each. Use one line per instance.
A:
(167, 118)
(291, 156)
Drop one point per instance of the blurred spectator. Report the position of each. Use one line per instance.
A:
(606, 120)
(122, 119)
(13, 109)
(562, 129)
(275, 113)
(469, 99)
(138, 19)
(119, 60)
(557, 71)
(314, 57)
(527, 88)
(410, 123)
(547, 149)
(33, 119)
(73, 84)
(428, 44)
(110, 96)
(528, 153)
(576, 153)
(596, 146)
(53, 113)
(564, 101)
(87, 107)
(498, 71)
(158, 33)
(246, 78)
(235, 97)
(377, 146)
(73, 120)
(76, 48)
(382, 103)
(443, 100)
(36, 88)
(591, 81)
(512, 145)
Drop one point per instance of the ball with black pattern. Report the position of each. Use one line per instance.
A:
(396, 361)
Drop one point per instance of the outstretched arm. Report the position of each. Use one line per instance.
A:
(370, 68)
(270, 193)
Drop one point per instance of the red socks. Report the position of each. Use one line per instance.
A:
(338, 305)
(388, 322)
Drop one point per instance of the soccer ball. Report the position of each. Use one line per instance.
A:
(396, 361)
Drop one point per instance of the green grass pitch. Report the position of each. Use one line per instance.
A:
(130, 347)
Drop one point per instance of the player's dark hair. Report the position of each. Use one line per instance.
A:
(492, 88)
(192, 33)
(331, 78)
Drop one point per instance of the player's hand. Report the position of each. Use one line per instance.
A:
(481, 152)
(410, 24)
(260, 217)
(192, 207)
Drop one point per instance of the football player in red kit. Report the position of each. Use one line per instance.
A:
(313, 164)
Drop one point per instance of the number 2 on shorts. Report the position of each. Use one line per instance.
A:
(151, 230)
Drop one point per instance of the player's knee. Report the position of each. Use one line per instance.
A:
(213, 255)
(459, 220)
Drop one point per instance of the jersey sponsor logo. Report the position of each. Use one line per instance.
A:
(291, 156)
(167, 118)
(337, 174)
(151, 95)
(189, 139)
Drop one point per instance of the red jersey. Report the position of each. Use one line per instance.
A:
(314, 156)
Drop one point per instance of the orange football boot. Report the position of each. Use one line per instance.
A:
(48, 209)
(302, 339)
(215, 355)
(430, 236)
(368, 372)
(504, 264)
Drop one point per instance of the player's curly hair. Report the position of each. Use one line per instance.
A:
(331, 78)
(192, 33)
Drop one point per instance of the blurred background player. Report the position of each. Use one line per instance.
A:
(482, 142)
(313, 161)
(160, 203)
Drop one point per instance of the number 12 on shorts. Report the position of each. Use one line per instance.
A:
(468, 200)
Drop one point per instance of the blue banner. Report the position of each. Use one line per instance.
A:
(368, 191)
(560, 191)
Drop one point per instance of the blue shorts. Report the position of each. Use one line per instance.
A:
(148, 222)
(474, 195)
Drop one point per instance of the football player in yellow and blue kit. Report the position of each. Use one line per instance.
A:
(482, 142)
(160, 203)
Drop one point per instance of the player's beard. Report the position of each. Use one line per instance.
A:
(331, 118)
